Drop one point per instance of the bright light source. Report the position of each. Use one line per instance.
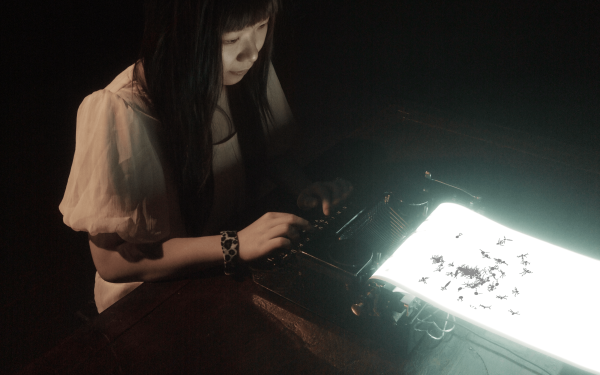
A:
(527, 290)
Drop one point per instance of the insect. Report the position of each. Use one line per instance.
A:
(437, 259)
(450, 273)
(455, 274)
(460, 234)
(477, 293)
(500, 261)
(440, 268)
(487, 307)
(491, 287)
(473, 307)
(459, 289)
(515, 292)
(445, 286)
(525, 272)
(502, 273)
(423, 280)
(501, 242)
(485, 254)
(451, 264)
(460, 298)
(513, 312)
(501, 297)
(522, 256)
(525, 263)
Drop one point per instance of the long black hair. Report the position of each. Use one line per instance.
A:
(181, 56)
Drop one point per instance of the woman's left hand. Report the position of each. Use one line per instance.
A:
(327, 194)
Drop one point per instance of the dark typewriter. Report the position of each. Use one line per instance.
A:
(328, 270)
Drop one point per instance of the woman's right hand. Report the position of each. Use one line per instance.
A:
(272, 231)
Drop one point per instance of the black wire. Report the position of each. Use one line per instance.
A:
(482, 361)
(463, 190)
(511, 352)
(454, 326)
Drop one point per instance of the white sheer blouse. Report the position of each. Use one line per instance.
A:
(119, 182)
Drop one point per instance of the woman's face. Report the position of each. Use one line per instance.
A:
(240, 51)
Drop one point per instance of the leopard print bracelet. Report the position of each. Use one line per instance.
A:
(230, 246)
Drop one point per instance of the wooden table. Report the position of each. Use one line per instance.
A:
(215, 324)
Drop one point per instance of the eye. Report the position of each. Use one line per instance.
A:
(263, 25)
(232, 41)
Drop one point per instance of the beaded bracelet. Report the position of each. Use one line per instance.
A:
(230, 246)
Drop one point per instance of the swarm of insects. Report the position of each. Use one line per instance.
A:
(470, 272)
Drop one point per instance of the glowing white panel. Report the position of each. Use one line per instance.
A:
(527, 290)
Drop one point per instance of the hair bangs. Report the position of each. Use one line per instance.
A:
(243, 13)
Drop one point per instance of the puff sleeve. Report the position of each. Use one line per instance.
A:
(116, 183)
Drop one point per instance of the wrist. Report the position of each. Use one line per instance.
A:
(230, 245)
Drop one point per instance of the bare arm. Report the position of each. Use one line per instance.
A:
(119, 261)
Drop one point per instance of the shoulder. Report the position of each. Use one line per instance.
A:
(123, 93)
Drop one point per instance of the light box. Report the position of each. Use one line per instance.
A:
(524, 289)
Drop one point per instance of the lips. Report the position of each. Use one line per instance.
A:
(239, 72)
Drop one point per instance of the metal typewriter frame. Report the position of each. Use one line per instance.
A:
(309, 277)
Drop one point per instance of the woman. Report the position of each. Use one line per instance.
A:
(169, 152)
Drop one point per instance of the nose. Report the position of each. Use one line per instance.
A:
(249, 51)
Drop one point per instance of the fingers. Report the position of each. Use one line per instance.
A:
(307, 201)
(322, 191)
(284, 230)
(328, 193)
(313, 195)
(277, 218)
(278, 243)
(343, 189)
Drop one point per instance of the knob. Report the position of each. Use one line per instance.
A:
(357, 308)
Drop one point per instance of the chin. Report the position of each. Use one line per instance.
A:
(231, 82)
(232, 79)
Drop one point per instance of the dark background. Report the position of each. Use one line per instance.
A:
(531, 66)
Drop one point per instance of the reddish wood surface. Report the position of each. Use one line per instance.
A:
(212, 325)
